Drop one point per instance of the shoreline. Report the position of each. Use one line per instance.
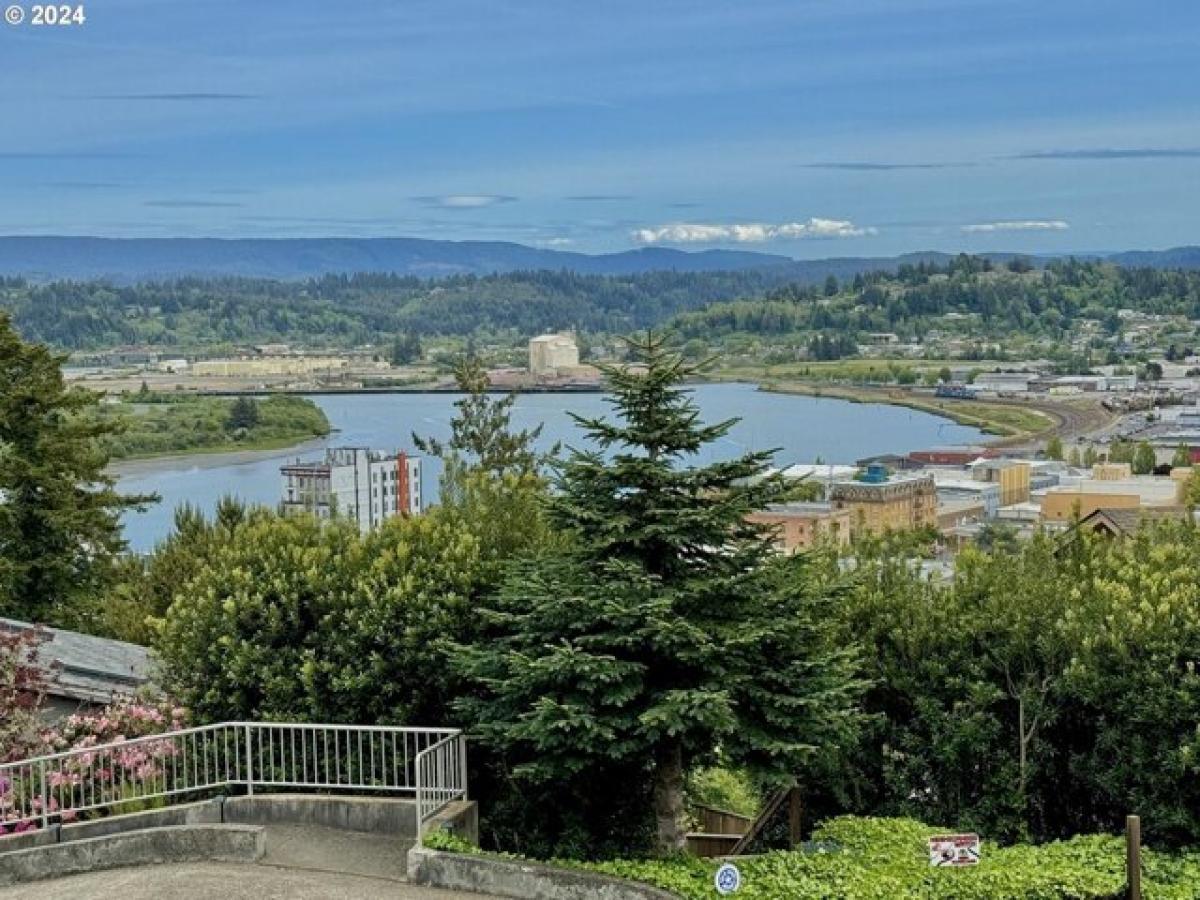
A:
(1002, 433)
(209, 459)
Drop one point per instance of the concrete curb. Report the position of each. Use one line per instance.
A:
(203, 812)
(521, 880)
(180, 843)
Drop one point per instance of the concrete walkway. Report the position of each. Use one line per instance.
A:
(302, 862)
(224, 881)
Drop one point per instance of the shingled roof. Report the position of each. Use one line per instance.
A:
(86, 668)
(1124, 522)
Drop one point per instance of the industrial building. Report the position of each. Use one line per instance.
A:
(552, 355)
(354, 483)
(268, 366)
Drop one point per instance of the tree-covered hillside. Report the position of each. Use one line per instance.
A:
(348, 310)
(971, 297)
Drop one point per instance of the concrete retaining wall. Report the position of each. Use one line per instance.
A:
(379, 815)
(460, 818)
(182, 843)
(204, 812)
(526, 881)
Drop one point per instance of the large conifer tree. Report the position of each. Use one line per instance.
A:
(59, 511)
(668, 628)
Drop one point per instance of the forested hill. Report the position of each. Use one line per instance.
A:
(131, 260)
(966, 295)
(351, 310)
(969, 296)
(138, 259)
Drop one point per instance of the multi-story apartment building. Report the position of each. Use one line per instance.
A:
(354, 483)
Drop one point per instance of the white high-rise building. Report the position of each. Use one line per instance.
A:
(354, 483)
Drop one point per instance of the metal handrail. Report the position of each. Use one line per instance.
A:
(255, 754)
(446, 763)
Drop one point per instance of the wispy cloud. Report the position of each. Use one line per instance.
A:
(193, 204)
(84, 185)
(1114, 153)
(175, 97)
(599, 198)
(35, 155)
(555, 242)
(748, 232)
(885, 166)
(1017, 225)
(464, 201)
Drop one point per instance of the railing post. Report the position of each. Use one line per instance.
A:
(1133, 858)
(420, 802)
(462, 764)
(44, 795)
(249, 765)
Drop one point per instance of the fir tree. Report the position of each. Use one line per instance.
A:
(60, 523)
(481, 433)
(242, 414)
(666, 628)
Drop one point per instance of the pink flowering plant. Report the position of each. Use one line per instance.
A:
(121, 770)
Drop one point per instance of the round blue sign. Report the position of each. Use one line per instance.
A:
(728, 879)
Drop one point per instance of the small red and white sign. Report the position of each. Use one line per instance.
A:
(954, 850)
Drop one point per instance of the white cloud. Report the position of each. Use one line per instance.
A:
(464, 201)
(555, 242)
(748, 232)
(1023, 225)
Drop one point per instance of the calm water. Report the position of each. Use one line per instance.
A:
(800, 428)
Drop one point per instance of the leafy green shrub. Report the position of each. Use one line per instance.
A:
(723, 788)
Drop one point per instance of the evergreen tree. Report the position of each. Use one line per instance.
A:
(481, 433)
(60, 526)
(666, 628)
(242, 414)
(1182, 458)
(406, 349)
(1144, 459)
(1054, 448)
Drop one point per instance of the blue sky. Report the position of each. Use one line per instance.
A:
(807, 127)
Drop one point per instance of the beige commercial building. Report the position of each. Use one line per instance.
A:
(799, 526)
(268, 366)
(1067, 505)
(550, 353)
(899, 503)
(1012, 476)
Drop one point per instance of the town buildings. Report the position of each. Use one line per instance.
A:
(879, 502)
(799, 526)
(354, 483)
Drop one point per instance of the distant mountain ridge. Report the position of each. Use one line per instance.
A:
(140, 259)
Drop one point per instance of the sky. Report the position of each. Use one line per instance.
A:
(809, 128)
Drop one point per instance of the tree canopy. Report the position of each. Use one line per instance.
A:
(665, 630)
